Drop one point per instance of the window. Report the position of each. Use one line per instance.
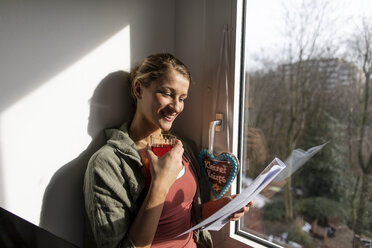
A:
(307, 70)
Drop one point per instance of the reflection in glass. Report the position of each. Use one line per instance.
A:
(310, 86)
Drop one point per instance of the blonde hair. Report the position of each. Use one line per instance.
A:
(155, 67)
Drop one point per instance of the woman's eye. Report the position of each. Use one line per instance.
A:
(166, 93)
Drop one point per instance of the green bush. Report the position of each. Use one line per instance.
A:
(274, 211)
(319, 208)
(295, 233)
(315, 208)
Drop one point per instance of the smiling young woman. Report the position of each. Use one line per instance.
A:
(124, 207)
(158, 104)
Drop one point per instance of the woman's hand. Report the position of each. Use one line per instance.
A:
(164, 170)
(213, 206)
(237, 215)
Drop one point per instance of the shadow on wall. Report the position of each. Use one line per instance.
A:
(62, 211)
(44, 38)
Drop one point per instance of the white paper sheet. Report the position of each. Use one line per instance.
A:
(297, 159)
(221, 217)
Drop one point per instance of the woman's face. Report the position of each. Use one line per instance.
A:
(164, 100)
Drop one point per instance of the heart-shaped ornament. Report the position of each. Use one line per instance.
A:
(220, 170)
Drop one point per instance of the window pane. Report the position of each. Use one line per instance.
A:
(308, 83)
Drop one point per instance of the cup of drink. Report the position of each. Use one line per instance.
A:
(161, 144)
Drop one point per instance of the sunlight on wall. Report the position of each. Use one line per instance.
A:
(48, 128)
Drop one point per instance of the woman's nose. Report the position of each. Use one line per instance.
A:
(176, 105)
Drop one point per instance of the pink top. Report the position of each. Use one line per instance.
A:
(176, 215)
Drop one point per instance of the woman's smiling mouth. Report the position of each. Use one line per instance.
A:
(168, 117)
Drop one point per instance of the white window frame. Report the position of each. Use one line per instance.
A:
(237, 148)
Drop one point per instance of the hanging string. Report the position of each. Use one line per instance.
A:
(224, 61)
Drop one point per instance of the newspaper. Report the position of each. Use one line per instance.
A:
(216, 221)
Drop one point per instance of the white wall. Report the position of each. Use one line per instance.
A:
(62, 68)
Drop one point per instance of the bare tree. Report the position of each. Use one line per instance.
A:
(361, 46)
(304, 30)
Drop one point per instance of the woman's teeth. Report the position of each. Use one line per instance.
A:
(168, 117)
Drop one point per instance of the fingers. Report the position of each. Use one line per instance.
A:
(178, 147)
(150, 154)
(237, 215)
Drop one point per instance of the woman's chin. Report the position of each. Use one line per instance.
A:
(165, 125)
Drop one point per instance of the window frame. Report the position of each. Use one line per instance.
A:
(239, 82)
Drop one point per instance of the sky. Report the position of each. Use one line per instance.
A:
(265, 26)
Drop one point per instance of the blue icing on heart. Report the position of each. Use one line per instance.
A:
(215, 167)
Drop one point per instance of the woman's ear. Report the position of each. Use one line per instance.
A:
(137, 89)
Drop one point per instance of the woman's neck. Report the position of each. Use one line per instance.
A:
(140, 131)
